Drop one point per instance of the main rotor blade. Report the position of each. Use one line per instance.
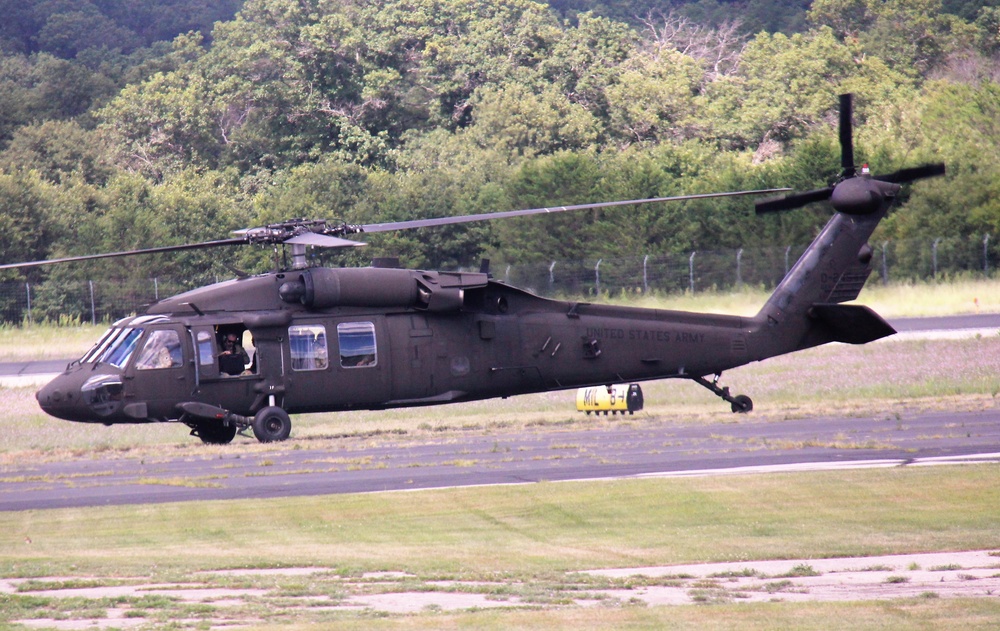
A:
(444, 221)
(846, 136)
(108, 255)
(323, 241)
(278, 233)
(903, 176)
(790, 202)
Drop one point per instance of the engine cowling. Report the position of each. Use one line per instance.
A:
(322, 288)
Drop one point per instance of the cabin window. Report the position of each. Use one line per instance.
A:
(162, 350)
(308, 347)
(357, 344)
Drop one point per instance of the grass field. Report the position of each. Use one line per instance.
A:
(521, 546)
(515, 545)
(897, 300)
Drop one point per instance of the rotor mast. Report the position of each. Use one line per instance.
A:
(299, 256)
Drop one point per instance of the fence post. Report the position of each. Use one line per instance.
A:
(788, 251)
(986, 254)
(27, 288)
(93, 310)
(934, 247)
(739, 268)
(645, 283)
(552, 276)
(597, 276)
(156, 289)
(691, 270)
(506, 275)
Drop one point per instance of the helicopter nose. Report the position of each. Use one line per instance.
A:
(81, 396)
(57, 400)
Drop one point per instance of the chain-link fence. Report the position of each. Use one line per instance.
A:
(107, 300)
(88, 300)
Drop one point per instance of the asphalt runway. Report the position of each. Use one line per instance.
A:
(640, 447)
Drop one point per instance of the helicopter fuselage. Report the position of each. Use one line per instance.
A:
(431, 337)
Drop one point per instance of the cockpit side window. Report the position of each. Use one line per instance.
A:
(206, 348)
(162, 350)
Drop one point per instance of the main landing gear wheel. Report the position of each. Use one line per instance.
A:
(215, 433)
(271, 424)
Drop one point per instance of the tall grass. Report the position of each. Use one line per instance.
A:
(896, 300)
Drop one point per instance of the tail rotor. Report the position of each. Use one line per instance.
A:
(853, 193)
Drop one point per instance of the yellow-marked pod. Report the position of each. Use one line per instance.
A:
(621, 397)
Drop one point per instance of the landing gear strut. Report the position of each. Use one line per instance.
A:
(741, 403)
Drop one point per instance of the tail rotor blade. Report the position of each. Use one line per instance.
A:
(914, 173)
(790, 202)
(852, 193)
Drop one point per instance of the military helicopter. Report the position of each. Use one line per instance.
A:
(337, 339)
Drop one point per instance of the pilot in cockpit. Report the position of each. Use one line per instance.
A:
(233, 357)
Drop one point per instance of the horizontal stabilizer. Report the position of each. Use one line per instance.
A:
(851, 324)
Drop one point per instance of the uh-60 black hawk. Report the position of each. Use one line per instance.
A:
(371, 338)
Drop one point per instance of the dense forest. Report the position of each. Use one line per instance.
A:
(156, 122)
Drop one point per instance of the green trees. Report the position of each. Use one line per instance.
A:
(914, 36)
(391, 110)
(961, 125)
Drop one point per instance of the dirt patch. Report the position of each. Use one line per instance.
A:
(302, 592)
(934, 575)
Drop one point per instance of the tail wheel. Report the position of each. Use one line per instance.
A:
(216, 433)
(742, 404)
(271, 424)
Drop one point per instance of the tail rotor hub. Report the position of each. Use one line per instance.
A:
(861, 195)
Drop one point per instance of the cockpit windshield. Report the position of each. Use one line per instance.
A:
(99, 345)
(117, 344)
(115, 347)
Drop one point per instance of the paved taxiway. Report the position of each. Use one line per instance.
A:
(639, 447)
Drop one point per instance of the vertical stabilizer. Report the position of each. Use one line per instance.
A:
(805, 309)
